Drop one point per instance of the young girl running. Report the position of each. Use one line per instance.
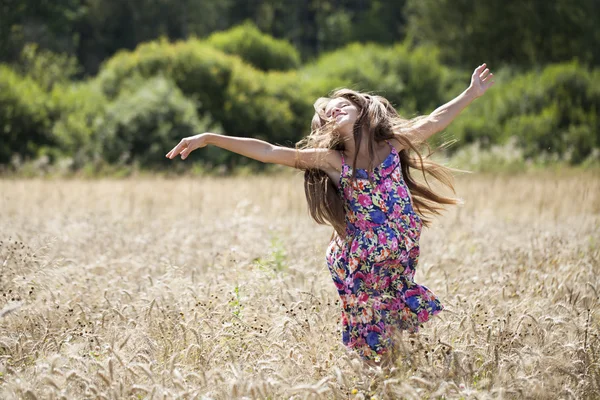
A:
(357, 179)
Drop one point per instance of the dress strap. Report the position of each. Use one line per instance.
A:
(393, 149)
(345, 168)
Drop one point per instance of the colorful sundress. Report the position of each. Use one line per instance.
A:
(373, 267)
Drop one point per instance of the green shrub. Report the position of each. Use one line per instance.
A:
(274, 105)
(239, 98)
(412, 79)
(46, 67)
(256, 48)
(142, 125)
(553, 111)
(258, 107)
(199, 70)
(143, 102)
(24, 119)
(79, 108)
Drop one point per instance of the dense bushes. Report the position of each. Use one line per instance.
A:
(45, 67)
(144, 101)
(259, 50)
(412, 79)
(552, 111)
(24, 120)
(198, 69)
(144, 121)
(240, 98)
(79, 110)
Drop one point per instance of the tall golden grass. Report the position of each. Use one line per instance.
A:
(217, 288)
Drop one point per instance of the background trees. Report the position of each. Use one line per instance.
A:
(524, 33)
(92, 81)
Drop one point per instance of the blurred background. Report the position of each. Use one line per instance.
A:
(108, 87)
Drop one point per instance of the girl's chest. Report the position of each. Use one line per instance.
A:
(390, 188)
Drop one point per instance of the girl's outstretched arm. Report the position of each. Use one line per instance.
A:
(441, 117)
(260, 150)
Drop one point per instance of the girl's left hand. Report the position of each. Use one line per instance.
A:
(481, 80)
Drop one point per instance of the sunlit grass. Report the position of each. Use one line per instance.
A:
(218, 288)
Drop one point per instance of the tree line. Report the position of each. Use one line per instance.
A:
(243, 81)
(522, 33)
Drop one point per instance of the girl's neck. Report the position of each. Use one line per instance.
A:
(363, 151)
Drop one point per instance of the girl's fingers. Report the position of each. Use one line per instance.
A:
(186, 151)
(177, 149)
(488, 84)
(488, 77)
(173, 152)
(479, 71)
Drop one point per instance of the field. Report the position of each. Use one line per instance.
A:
(217, 288)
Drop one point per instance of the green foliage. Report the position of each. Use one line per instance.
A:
(257, 107)
(243, 100)
(79, 108)
(24, 118)
(141, 125)
(199, 70)
(51, 24)
(552, 111)
(382, 22)
(412, 79)
(235, 303)
(261, 51)
(278, 255)
(144, 101)
(276, 261)
(526, 33)
(45, 67)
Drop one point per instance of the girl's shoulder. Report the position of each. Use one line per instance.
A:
(396, 144)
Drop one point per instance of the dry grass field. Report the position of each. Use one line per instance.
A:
(217, 288)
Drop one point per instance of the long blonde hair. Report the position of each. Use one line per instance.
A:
(382, 122)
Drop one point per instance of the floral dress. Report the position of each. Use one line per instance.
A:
(374, 266)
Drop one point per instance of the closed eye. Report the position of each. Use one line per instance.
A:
(328, 115)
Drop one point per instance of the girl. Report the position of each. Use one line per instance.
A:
(357, 179)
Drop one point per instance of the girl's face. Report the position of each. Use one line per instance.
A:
(344, 113)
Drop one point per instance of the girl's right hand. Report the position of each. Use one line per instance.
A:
(187, 145)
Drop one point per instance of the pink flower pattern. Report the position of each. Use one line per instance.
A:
(373, 267)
